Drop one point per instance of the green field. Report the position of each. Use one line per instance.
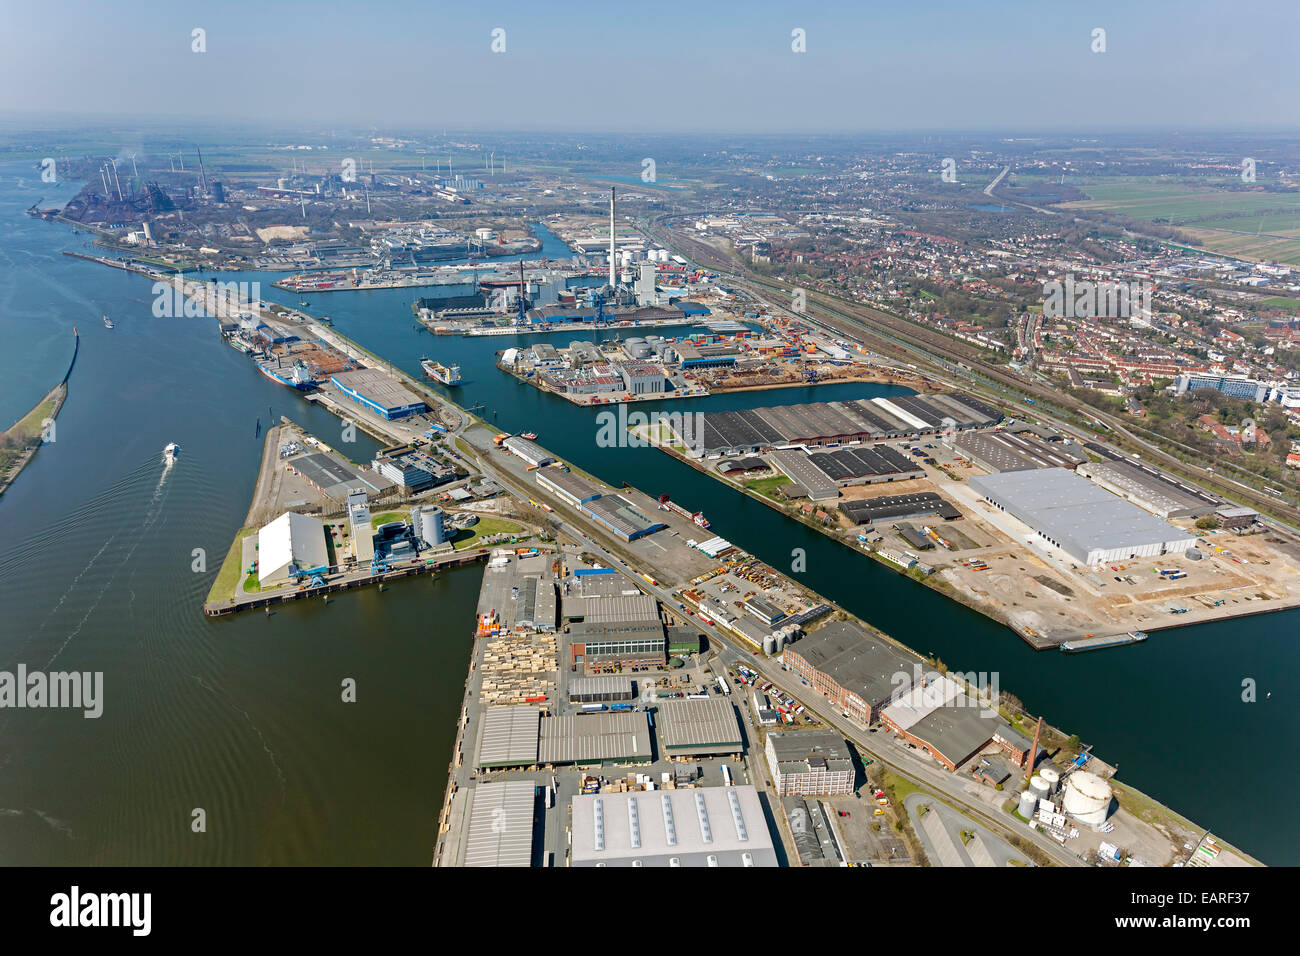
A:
(1181, 202)
(223, 588)
(1280, 302)
(486, 527)
(1246, 224)
(767, 486)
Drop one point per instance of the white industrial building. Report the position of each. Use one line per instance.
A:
(290, 542)
(1088, 523)
(705, 826)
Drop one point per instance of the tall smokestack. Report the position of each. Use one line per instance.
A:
(1033, 750)
(611, 238)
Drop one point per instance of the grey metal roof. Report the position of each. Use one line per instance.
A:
(508, 737)
(622, 609)
(568, 482)
(594, 738)
(957, 731)
(501, 824)
(1077, 514)
(854, 659)
(612, 686)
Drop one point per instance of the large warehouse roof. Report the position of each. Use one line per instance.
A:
(1148, 489)
(501, 824)
(699, 726)
(854, 659)
(707, 826)
(509, 737)
(290, 539)
(594, 738)
(1079, 516)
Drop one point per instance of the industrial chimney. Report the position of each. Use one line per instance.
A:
(612, 286)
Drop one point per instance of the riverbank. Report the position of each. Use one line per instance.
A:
(358, 347)
(1043, 599)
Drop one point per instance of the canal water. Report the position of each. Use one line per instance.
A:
(243, 717)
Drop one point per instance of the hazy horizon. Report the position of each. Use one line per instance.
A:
(663, 68)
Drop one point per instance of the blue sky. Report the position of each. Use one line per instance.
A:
(661, 65)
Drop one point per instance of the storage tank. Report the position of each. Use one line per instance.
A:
(627, 277)
(769, 645)
(1028, 804)
(625, 258)
(1050, 777)
(779, 638)
(1038, 787)
(1087, 798)
(427, 523)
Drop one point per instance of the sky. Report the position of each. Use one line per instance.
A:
(660, 65)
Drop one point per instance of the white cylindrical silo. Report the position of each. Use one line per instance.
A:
(769, 645)
(1028, 804)
(1038, 787)
(1087, 798)
(1051, 777)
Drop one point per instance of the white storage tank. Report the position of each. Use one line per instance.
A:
(1038, 787)
(1087, 798)
(1051, 777)
(780, 641)
(1028, 804)
(769, 645)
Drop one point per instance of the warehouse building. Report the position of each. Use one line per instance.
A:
(1148, 489)
(536, 605)
(290, 543)
(621, 517)
(600, 690)
(704, 826)
(811, 762)
(508, 737)
(617, 629)
(336, 478)
(1082, 519)
(1003, 451)
(922, 504)
(595, 740)
(373, 389)
(856, 671)
(501, 821)
(532, 453)
(937, 717)
(835, 423)
(519, 736)
(810, 828)
(699, 728)
(567, 486)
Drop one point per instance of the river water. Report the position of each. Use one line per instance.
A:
(243, 717)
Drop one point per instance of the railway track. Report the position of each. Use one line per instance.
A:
(900, 336)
